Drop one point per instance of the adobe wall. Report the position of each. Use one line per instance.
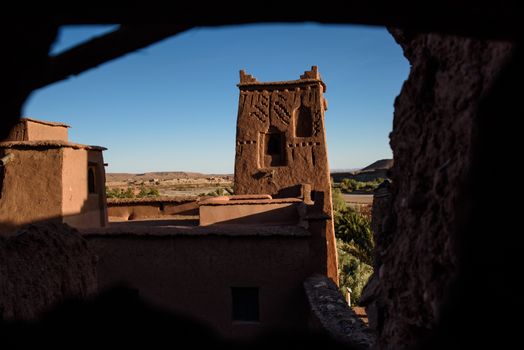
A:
(17, 133)
(28, 129)
(268, 212)
(193, 275)
(42, 265)
(39, 131)
(146, 208)
(31, 187)
(79, 208)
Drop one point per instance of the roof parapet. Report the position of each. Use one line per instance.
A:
(247, 78)
(310, 76)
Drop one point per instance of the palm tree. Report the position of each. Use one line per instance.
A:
(354, 229)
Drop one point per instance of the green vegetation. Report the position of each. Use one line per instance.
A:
(355, 245)
(339, 204)
(148, 192)
(353, 273)
(130, 193)
(354, 229)
(119, 193)
(351, 185)
(218, 192)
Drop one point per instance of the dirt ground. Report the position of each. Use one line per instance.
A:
(358, 198)
(178, 183)
(174, 183)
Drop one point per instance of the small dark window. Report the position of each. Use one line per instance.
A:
(245, 304)
(274, 154)
(91, 177)
(274, 144)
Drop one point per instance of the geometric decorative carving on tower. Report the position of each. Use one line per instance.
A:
(260, 107)
(278, 115)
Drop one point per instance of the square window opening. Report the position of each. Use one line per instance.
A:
(245, 304)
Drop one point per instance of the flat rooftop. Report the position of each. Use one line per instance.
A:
(46, 144)
(187, 226)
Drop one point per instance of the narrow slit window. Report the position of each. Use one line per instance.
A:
(91, 179)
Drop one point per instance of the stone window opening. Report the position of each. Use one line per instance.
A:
(245, 304)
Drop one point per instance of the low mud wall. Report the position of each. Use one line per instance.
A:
(121, 209)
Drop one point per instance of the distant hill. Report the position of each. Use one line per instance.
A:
(170, 175)
(349, 170)
(379, 164)
(373, 171)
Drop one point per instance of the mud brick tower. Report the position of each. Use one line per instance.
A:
(281, 148)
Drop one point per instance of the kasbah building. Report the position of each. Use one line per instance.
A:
(241, 267)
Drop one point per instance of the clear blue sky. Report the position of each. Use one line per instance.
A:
(173, 105)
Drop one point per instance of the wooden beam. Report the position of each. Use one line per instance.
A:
(126, 39)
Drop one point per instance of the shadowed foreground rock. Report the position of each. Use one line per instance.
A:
(41, 265)
(429, 233)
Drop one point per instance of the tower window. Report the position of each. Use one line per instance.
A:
(245, 304)
(91, 179)
(274, 144)
(273, 149)
(304, 122)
